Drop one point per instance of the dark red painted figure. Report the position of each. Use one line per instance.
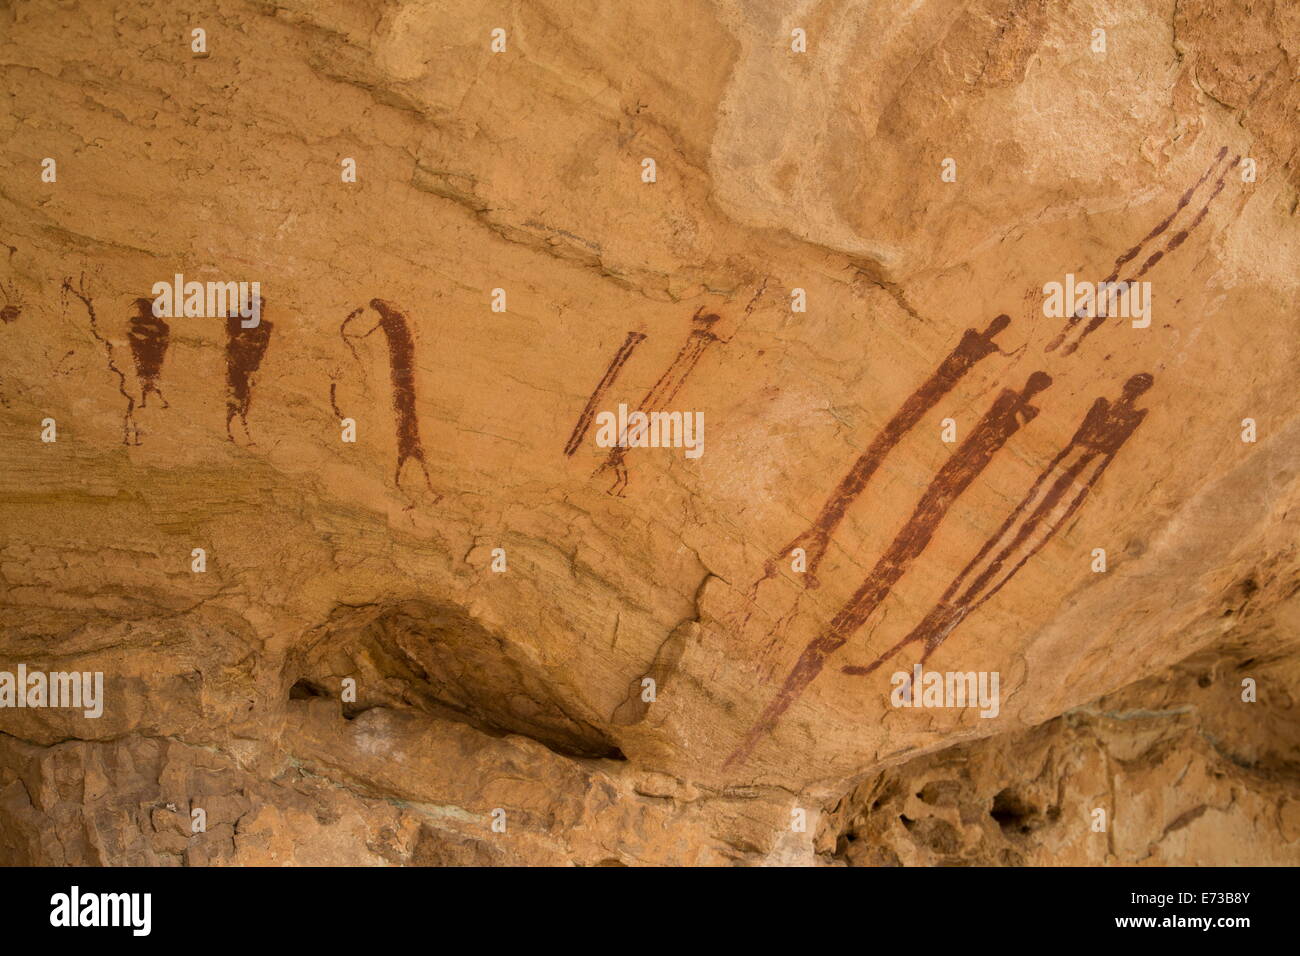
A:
(973, 347)
(1004, 418)
(401, 365)
(149, 336)
(1043, 511)
(245, 349)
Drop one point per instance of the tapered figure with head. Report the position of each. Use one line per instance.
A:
(245, 349)
(401, 367)
(149, 336)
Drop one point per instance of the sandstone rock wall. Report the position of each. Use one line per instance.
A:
(499, 586)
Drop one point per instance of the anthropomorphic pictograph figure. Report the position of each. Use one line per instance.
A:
(149, 336)
(665, 389)
(401, 366)
(245, 349)
(973, 347)
(1009, 411)
(1096, 321)
(1047, 507)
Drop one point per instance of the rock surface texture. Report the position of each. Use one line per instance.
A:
(478, 635)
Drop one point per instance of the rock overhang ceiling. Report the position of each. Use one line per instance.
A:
(912, 446)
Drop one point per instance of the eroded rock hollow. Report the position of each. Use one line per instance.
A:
(682, 432)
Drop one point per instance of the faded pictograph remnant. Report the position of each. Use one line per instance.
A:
(636, 704)
(245, 349)
(665, 389)
(1009, 411)
(9, 313)
(334, 401)
(13, 303)
(1047, 507)
(1163, 226)
(973, 347)
(598, 395)
(401, 364)
(149, 336)
(130, 429)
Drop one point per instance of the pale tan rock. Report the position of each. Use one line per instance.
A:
(524, 690)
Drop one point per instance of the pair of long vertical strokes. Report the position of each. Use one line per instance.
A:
(1161, 227)
(1104, 430)
(656, 399)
